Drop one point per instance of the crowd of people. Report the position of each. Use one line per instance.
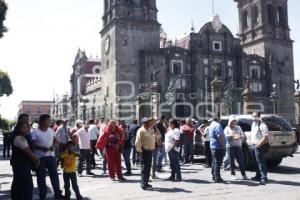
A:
(45, 147)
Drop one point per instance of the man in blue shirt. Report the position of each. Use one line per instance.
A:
(217, 144)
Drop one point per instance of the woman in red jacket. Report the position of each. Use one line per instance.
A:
(112, 140)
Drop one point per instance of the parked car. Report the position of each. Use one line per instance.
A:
(282, 138)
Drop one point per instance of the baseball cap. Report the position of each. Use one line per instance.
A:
(145, 119)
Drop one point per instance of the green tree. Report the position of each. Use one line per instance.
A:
(5, 84)
(3, 9)
(4, 124)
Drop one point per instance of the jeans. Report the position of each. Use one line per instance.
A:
(48, 163)
(188, 150)
(260, 162)
(93, 152)
(237, 153)
(104, 163)
(135, 157)
(174, 163)
(217, 157)
(207, 152)
(6, 149)
(154, 159)
(226, 160)
(22, 185)
(126, 155)
(160, 157)
(146, 167)
(84, 156)
(71, 177)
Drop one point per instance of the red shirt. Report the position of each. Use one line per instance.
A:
(189, 131)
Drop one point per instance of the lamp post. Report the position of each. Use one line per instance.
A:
(274, 98)
(83, 101)
(206, 77)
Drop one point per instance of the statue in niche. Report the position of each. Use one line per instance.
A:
(154, 75)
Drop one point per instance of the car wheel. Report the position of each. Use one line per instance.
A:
(274, 162)
(247, 156)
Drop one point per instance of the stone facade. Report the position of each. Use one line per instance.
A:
(141, 69)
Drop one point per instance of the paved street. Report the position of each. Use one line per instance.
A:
(196, 184)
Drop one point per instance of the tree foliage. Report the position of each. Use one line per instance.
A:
(3, 9)
(5, 84)
(6, 124)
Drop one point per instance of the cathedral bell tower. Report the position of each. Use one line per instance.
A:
(129, 26)
(264, 31)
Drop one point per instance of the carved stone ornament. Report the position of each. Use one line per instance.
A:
(216, 23)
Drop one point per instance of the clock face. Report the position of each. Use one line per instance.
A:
(107, 44)
(205, 61)
(229, 63)
(216, 23)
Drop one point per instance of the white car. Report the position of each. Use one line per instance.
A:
(282, 138)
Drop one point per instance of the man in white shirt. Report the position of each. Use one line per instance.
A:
(83, 138)
(94, 134)
(204, 129)
(259, 139)
(44, 143)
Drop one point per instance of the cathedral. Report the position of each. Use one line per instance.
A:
(142, 73)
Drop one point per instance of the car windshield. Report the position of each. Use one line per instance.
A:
(245, 124)
(277, 124)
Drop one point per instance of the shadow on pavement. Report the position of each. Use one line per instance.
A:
(190, 169)
(246, 183)
(171, 190)
(197, 181)
(5, 175)
(285, 170)
(189, 172)
(4, 194)
(290, 183)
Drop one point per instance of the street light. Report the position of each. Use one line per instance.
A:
(83, 101)
(206, 77)
(274, 98)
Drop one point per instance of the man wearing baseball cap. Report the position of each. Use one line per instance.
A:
(145, 145)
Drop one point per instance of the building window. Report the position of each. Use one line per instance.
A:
(254, 15)
(183, 83)
(245, 19)
(217, 45)
(28, 110)
(96, 69)
(230, 72)
(177, 67)
(107, 91)
(256, 87)
(254, 72)
(206, 73)
(281, 15)
(270, 12)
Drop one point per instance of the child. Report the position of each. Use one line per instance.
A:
(69, 160)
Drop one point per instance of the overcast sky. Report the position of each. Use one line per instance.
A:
(44, 36)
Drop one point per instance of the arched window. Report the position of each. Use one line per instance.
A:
(271, 16)
(105, 5)
(280, 15)
(245, 19)
(254, 15)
